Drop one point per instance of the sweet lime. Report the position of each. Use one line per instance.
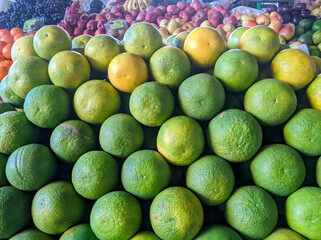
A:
(151, 104)
(176, 213)
(31, 234)
(71, 139)
(23, 47)
(270, 101)
(251, 211)
(30, 167)
(211, 178)
(8, 95)
(116, 215)
(218, 232)
(145, 173)
(80, 41)
(170, 66)
(95, 174)
(121, 135)
(201, 96)
(6, 107)
(303, 212)
(284, 234)
(234, 135)
(180, 140)
(237, 70)
(145, 235)
(16, 131)
(79, 232)
(234, 39)
(95, 101)
(303, 132)
(279, 169)
(56, 207)
(46, 106)
(314, 93)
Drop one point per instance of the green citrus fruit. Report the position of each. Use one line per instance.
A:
(169, 40)
(95, 101)
(270, 101)
(14, 211)
(121, 135)
(116, 215)
(46, 106)
(95, 174)
(180, 140)
(234, 39)
(50, 40)
(23, 47)
(179, 40)
(56, 207)
(236, 69)
(31, 234)
(30, 167)
(279, 169)
(145, 235)
(314, 93)
(201, 96)
(176, 213)
(318, 172)
(16, 131)
(3, 162)
(151, 104)
(100, 50)
(27, 73)
(71, 139)
(303, 132)
(261, 41)
(145, 173)
(69, 69)
(234, 135)
(79, 232)
(170, 66)
(284, 234)
(306, 24)
(218, 232)
(142, 39)
(8, 95)
(6, 107)
(251, 211)
(316, 26)
(211, 178)
(303, 212)
(80, 41)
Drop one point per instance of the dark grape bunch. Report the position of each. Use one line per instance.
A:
(52, 10)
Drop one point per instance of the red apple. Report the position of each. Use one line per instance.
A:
(190, 10)
(181, 5)
(173, 9)
(215, 21)
(125, 13)
(92, 25)
(78, 31)
(149, 9)
(92, 16)
(89, 32)
(250, 23)
(119, 15)
(217, 14)
(197, 22)
(134, 13)
(141, 17)
(158, 11)
(173, 17)
(110, 15)
(232, 20)
(220, 25)
(151, 17)
(100, 31)
(218, 7)
(163, 8)
(184, 15)
(263, 19)
(159, 19)
(129, 19)
(225, 12)
(101, 24)
(99, 17)
(115, 9)
(84, 17)
(168, 15)
(81, 24)
(197, 5)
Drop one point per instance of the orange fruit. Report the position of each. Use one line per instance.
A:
(2, 45)
(4, 32)
(6, 63)
(3, 72)
(2, 58)
(32, 35)
(293, 67)
(204, 51)
(15, 31)
(16, 37)
(262, 41)
(126, 71)
(8, 39)
(6, 51)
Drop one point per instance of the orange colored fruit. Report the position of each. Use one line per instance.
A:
(8, 39)
(6, 51)
(204, 51)
(16, 37)
(3, 72)
(2, 45)
(15, 31)
(4, 32)
(6, 63)
(2, 58)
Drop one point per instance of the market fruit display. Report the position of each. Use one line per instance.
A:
(103, 139)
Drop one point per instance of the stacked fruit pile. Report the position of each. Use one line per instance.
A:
(19, 11)
(194, 143)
